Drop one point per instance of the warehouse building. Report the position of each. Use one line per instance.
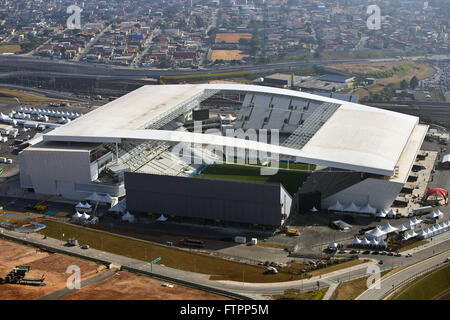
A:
(208, 201)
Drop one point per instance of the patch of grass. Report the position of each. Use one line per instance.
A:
(171, 257)
(426, 287)
(24, 97)
(350, 290)
(413, 245)
(9, 48)
(290, 180)
(295, 294)
(336, 267)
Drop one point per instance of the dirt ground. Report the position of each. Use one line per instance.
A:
(128, 286)
(232, 37)
(52, 265)
(227, 55)
(421, 70)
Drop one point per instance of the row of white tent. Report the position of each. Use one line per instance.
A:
(434, 230)
(352, 207)
(436, 214)
(366, 242)
(84, 218)
(381, 232)
(48, 112)
(107, 198)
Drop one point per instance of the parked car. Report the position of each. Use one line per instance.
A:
(342, 251)
(390, 254)
(366, 252)
(398, 255)
(353, 252)
(448, 259)
(409, 255)
(380, 262)
(383, 253)
(375, 252)
(85, 246)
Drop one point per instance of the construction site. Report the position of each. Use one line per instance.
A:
(28, 273)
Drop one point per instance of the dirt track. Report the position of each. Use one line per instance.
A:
(128, 286)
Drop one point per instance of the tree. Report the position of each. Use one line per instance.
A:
(404, 84)
(414, 83)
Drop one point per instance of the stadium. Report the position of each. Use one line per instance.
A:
(331, 154)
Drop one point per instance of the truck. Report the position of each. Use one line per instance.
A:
(290, 231)
(239, 239)
(17, 276)
(192, 243)
(420, 211)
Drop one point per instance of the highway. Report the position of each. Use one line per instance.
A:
(390, 282)
(35, 64)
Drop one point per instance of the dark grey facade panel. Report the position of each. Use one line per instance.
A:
(202, 198)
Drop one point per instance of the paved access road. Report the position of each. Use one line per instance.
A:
(403, 275)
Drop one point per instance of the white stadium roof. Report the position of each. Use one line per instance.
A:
(355, 137)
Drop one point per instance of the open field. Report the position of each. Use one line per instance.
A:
(10, 48)
(232, 37)
(421, 70)
(24, 97)
(291, 180)
(52, 265)
(228, 55)
(336, 267)
(427, 287)
(124, 285)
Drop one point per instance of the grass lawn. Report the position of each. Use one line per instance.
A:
(413, 245)
(427, 287)
(290, 179)
(9, 48)
(295, 294)
(336, 267)
(24, 97)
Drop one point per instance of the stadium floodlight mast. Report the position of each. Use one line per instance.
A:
(232, 154)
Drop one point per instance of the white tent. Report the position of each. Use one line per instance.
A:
(79, 205)
(352, 207)
(391, 213)
(87, 206)
(374, 242)
(332, 245)
(314, 209)
(381, 214)
(128, 217)
(356, 241)
(375, 233)
(387, 228)
(402, 228)
(423, 233)
(76, 216)
(382, 243)
(161, 218)
(409, 225)
(417, 221)
(94, 197)
(368, 209)
(336, 207)
(85, 216)
(413, 234)
(365, 242)
(107, 199)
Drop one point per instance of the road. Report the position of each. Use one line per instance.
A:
(388, 283)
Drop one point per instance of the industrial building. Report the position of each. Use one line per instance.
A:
(206, 200)
(364, 155)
